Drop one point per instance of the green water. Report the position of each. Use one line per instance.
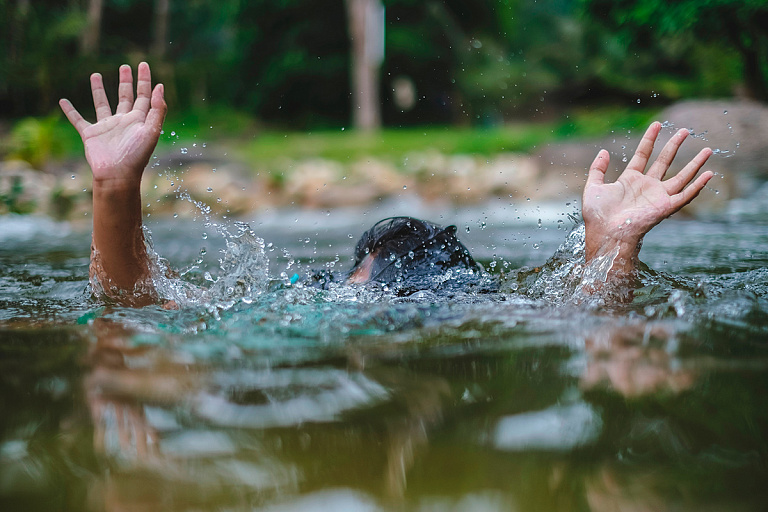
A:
(295, 399)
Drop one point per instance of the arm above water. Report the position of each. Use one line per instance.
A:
(118, 148)
(618, 215)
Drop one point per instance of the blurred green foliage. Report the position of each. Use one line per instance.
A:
(274, 149)
(710, 32)
(12, 198)
(472, 62)
(36, 140)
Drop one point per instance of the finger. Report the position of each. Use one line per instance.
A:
(99, 429)
(154, 443)
(675, 184)
(645, 148)
(661, 165)
(139, 433)
(156, 114)
(691, 191)
(100, 101)
(124, 439)
(597, 169)
(143, 88)
(74, 116)
(125, 90)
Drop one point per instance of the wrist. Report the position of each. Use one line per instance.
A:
(624, 249)
(116, 184)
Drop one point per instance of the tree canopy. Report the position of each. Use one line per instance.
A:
(741, 25)
(287, 62)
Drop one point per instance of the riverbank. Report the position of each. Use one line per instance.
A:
(452, 167)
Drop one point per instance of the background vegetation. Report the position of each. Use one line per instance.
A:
(284, 65)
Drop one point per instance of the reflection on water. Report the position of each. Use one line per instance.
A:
(290, 398)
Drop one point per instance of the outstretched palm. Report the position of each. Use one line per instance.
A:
(621, 213)
(118, 146)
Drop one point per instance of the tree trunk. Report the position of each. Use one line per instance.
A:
(89, 44)
(366, 32)
(750, 44)
(160, 36)
(16, 30)
(753, 76)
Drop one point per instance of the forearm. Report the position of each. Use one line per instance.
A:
(120, 261)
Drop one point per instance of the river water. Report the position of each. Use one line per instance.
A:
(264, 394)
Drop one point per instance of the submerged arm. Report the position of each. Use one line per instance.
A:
(118, 148)
(618, 215)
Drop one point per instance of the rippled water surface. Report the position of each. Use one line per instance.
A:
(266, 394)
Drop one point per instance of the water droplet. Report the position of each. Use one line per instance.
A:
(405, 187)
(467, 228)
(210, 189)
(173, 133)
(725, 112)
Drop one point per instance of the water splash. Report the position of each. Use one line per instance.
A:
(242, 274)
(566, 278)
(725, 153)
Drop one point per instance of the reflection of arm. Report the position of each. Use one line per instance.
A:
(632, 359)
(117, 394)
(618, 215)
(118, 147)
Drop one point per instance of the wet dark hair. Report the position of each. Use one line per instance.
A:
(404, 248)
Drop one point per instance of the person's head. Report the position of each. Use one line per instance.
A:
(398, 248)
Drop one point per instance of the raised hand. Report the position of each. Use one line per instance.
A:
(118, 146)
(618, 215)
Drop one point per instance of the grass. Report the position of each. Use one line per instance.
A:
(242, 137)
(394, 144)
